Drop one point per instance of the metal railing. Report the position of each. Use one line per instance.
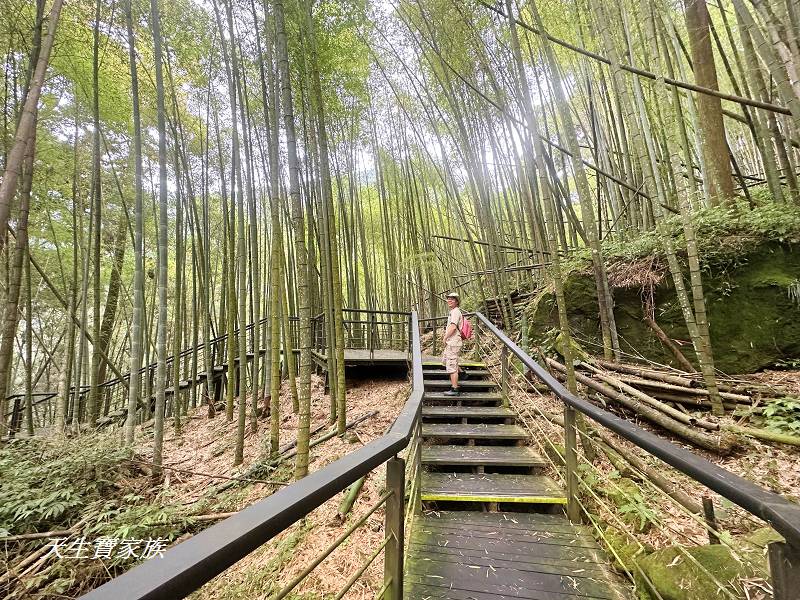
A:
(782, 515)
(371, 330)
(192, 563)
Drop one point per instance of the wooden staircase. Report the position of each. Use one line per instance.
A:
(493, 523)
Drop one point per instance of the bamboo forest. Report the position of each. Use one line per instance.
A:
(400, 299)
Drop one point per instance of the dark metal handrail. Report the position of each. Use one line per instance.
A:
(199, 559)
(782, 515)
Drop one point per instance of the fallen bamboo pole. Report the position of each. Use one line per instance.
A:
(647, 399)
(696, 401)
(645, 373)
(669, 387)
(350, 497)
(721, 444)
(764, 434)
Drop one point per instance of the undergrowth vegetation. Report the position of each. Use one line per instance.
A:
(48, 483)
(781, 415)
(86, 482)
(724, 235)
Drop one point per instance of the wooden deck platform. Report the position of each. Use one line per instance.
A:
(358, 357)
(354, 357)
(464, 555)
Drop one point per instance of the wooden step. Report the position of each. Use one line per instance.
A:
(468, 412)
(491, 487)
(469, 385)
(466, 555)
(465, 397)
(464, 364)
(480, 431)
(481, 373)
(477, 456)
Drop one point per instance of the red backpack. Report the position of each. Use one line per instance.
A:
(466, 328)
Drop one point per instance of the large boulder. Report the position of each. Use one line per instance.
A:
(752, 303)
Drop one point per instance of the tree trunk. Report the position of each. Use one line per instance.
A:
(712, 127)
(137, 321)
(161, 341)
(304, 388)
(27, 124)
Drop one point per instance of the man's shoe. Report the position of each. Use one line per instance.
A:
(463, 375)
(453, 392)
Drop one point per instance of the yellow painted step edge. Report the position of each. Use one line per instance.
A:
(519, 499)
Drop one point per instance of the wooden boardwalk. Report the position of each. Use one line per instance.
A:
(493, 524)
(359, 356)
(460, 555)
(354, 357)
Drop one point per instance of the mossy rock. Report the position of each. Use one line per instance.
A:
(754, 545)
(677, 577)
(761, 537)
(625, 552)
(625, 547)
(754, 320)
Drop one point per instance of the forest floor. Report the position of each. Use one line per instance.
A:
(50, 485)
(207, 446)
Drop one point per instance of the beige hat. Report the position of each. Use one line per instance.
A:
(453, 295)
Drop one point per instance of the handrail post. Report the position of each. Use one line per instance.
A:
(784, 567)
(504, 374)
(372, 335)
(395, 515)
(410, 324)
(418, 459)
(571, 463)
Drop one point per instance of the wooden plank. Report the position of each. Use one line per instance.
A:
(491, 487)
(476, 431)
(510, 456)
(471, 372)
(543, 560)
(433, 362)
(468, 412)
(489, 556)
(417, 591)
(513, 580)
(550, 525)
(543, 587)
(470, 397)
(469, 385)
(524, 521)
(551, 554)
(427, 534)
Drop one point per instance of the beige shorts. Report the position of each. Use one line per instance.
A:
(450, 356)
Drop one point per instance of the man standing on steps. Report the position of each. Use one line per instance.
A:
(452, 342)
